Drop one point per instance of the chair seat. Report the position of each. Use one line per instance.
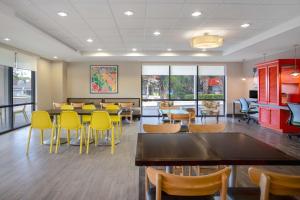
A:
(152, 192)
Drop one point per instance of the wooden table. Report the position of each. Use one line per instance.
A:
(207, 149)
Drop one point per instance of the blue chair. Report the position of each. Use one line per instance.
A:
(248, 112)
(295, 116)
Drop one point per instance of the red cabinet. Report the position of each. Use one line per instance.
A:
(276, 87)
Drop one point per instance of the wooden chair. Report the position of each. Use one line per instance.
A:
(162, 128)
(127, 110)
(77, 105)
(192, 112)
(56, 105)
(274, 183)
(180, 117)
(183, 187)
(207, 128)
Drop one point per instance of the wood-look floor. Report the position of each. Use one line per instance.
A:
(98, 175)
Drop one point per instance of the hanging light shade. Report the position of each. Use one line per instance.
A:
(296, 72)
(207, 41)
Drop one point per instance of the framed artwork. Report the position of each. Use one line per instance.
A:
(103, 79)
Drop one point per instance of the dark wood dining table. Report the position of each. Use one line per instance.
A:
(205, 149)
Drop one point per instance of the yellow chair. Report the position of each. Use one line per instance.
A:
(100, 121)
(274, 183)
(174, 185)
(87, 118)
(115, 119)
(67, 107)
(41, 120)
(70, 121)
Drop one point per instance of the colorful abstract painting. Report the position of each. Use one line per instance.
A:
(104, 79)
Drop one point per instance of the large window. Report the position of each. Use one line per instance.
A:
(17, 97)
(181, 85)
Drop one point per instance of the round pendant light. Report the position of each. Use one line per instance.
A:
(207, 41)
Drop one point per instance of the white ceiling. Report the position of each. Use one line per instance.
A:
(116, 34)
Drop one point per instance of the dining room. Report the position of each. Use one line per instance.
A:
(149, 100)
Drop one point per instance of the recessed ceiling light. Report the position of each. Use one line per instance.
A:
(6, 39)
(55, 57)
(169, 49)
(156, 33)
(128, 13)
(204, 49)
(90, 40)
(246, 25)
(196, 14)
(62, 14)
(99, 49)
(133, 49)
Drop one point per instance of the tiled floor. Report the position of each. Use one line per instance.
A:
(98, 175)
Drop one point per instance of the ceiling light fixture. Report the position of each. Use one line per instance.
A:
(156, 33)
(246, 25)
(196, 14)
(90, 40)
(169, 49)
(99, 49)
(55, 57)
(207, 41)
(128, 13)
(133, 49)
(62, 14)
(296, 72)
(6, 39)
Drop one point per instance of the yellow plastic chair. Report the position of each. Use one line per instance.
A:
(70, 121)
(116, 119)
(87, 118)
(274, 183)
(67, 107)
(100, 122)
(41, 120)
(174, 185)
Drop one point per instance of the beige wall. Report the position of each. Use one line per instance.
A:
(43, 85)
(78, 79)
(59, 81)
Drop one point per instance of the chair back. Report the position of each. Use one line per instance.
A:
(112, 107)
(295, 114)
(276, 183)
(57, 105)
(192, 112)
(69, 120)
(206, 128)
(100, 120)
(162, 128)
(244, 105)
(87, 118)
(189, 185)
(104, 105)
(77, 105)
(66, 107)
(41, 120)
(181, 117)
(126, 105)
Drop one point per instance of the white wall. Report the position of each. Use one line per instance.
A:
(78, 79)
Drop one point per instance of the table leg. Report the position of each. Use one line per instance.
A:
(62, 140)
(232, 177)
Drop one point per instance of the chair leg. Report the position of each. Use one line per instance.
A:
(88, 141)
(81, 140)
(121, 126)
(42, 137)
(112, 140)
(51, 140)
(58, 140)
(28, 141)
(25, 116)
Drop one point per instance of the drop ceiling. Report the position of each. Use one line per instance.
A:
(104, 21)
